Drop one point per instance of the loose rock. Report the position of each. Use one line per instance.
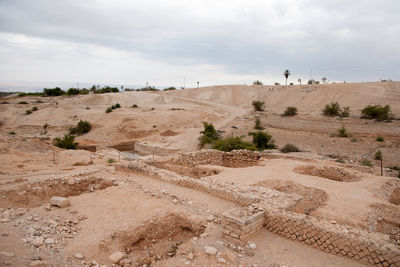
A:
(61, 202)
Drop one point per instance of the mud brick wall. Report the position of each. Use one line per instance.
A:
(151, 149)
(238, 229)
(332, 239)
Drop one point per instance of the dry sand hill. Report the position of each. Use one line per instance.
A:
(137, 206)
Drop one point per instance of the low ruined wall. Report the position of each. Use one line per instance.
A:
(236, 158)
(151, 149)
(332, 238)
(239, 226)
(240, 199)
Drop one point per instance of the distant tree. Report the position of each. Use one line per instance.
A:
(286, 74)
(324, 79)
(257, 82)
(299, 80)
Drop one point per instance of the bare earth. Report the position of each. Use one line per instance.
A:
(137, 207)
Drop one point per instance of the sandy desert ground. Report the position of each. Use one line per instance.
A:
(171, 205)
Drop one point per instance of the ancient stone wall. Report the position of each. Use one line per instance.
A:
(152, 149)
(239, 225)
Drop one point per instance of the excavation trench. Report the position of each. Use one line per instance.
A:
(30, 195)
(154, 240)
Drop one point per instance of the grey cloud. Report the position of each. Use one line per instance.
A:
(347, 39)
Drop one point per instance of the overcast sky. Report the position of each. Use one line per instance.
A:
(211, 41)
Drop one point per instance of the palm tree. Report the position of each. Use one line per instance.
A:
(324, 79)
(299, 80)
(286, 74)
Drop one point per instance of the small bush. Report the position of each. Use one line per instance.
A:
(109, 109)
(257, 125)
(135, 106)
(258, 105)
(28, 111)
(262, 140)
(380, 139)
(376, 112)
(87, 108)
(110, 161)
(67, 142)
(290, 111)
(117, 105)
(11, 133)
(208, 135)
(170, 88)
(340, 160)
(22, 102)
(233, 143)
(257, 82)
(34, 109)
(367, 163)
(81, 128)
(344, 112)
(53, 92)
(378, 155)
(290, 148)
(331, 109)
(342, 132)
(353, 139)
(45, 126)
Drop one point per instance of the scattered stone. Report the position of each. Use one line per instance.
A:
(38, 264)
(7, 262)
(36, 258)
(190, 256)
(116, 256)
(6, 254)
(210, 250)
(78, 256)
(37, 241)
(61, 202)
(49, 241)
(221, 260)
(4, 233)
(252, 245)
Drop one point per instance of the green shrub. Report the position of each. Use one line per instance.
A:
(380, 139)
(22, 102)
(258, 105)
(53, 92)
(257, 125)
(290, 148)
(170, 88)
(331, 109)
(262, 140)
(366, 162)
(344, 112)
(135, 106)
(233, 143)
(81, 128)
(117, 105)
(12, 133)
(208, 135)
(34, 109)
(110, 161)
(257, 82)
(376, 112)
(353, 139)
(73, 91)
(28, 111)
(109, 109)
(340, 160)
(45, 126)
(342, 132)
(378, 155)
(290, 111)
(67, 142)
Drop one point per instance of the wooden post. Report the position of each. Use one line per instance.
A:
(54, 158)
(381, 166)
